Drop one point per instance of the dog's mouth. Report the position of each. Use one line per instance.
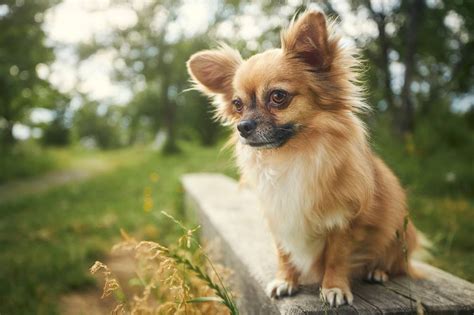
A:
(279, 136)
(265, 145)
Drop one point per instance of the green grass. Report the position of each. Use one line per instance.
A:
(50, 240)
(441, 207)
(28, 159)
(448, 222)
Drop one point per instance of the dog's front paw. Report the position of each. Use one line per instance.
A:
(378, 276)
(279, 288)
(336, 296)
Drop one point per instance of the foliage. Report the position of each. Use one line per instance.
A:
(103, 129)
(57, 132)
(420, 59)
(22, 51)
(435, 168)
(196, 120)
(144, 113)
(25, 160)
(154, 67)
(436, 159)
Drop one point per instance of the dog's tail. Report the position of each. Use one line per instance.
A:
(421, 251)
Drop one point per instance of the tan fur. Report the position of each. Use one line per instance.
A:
(336, 211)
(286, 269)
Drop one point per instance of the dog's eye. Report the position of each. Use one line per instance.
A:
(237, 105)
(278, 97)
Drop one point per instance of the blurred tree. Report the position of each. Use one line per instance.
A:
(103, 128)
(148, 61)
(22, 51)
(144, 112)
(406, 120)
(197, 114)
(426, 47)
(57, 132)
(153, 62)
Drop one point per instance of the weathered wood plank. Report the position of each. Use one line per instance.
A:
(430, 303)
(251, 297)
(446, 292)
(229, 215)
(307, 301)
(383, 299)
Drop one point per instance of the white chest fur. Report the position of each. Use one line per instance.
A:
(287, 190)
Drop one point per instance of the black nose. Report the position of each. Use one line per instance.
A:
(246, 127)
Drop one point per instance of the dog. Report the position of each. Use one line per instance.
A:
(335, 210)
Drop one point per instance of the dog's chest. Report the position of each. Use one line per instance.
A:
(287, 192)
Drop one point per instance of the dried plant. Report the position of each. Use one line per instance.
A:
(111, 285)
(178, 279)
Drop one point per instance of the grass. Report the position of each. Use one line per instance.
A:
(438, 178)
(50, 240)
(28, 159)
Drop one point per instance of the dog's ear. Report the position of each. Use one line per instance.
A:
(213, 70)
(307, 38)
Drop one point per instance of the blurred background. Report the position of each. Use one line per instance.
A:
(96, 125)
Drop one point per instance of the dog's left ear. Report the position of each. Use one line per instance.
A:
(307, 38)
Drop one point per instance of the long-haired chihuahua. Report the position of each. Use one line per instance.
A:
(335, 210)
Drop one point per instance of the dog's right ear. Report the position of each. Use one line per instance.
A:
(213, 70)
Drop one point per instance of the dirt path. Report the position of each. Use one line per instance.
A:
(19, 188)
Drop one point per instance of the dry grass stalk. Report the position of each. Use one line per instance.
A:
(170, 280)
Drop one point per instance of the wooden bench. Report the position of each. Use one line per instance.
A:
(229, 216)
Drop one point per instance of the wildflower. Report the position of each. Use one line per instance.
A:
(154, 177)
(147, 199)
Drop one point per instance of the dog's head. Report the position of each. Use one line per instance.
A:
(273, 96)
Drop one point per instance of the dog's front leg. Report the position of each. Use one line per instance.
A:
(335, 289)
(286, 281)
